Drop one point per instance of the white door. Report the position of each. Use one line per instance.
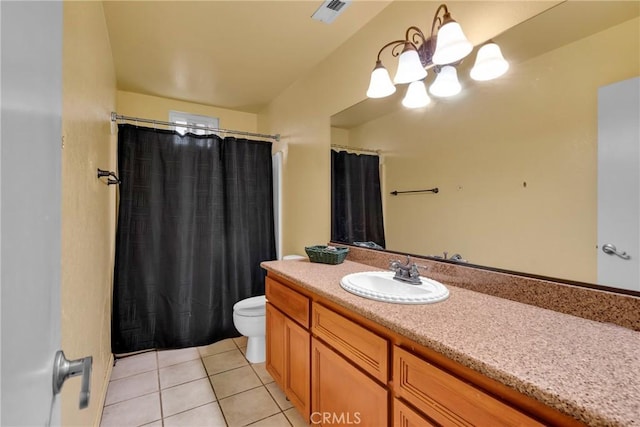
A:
(619, 184)
(31, 96)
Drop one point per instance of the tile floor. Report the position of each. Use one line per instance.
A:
(204, 386)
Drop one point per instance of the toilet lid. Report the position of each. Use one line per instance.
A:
(251, 307)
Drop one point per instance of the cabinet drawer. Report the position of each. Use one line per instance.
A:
(292, 303)
(404, 416)
(446, 399)
(367, 350)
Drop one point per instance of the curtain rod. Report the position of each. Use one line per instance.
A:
(115, 117)
(365, 150)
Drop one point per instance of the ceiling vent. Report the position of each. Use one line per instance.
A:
(330, 10)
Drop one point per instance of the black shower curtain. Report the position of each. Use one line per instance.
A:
(356, 202)
(195, 220)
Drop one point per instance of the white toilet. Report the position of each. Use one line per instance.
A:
(249, 319)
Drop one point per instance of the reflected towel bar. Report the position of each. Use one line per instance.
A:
(111, 177)
(432, 190)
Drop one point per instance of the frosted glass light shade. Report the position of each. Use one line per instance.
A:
(410, 68)
(446, 83)
(451, 44)
(490, 63)
(380, 84)
(416, 96)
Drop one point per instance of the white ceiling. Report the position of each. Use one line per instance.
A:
(233, 54)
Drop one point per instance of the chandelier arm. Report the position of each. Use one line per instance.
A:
(395, 44)
(418, 36)
(436, 18)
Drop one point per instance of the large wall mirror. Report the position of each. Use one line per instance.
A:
(516, 160)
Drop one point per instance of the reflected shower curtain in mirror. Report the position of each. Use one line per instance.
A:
(195, 220)
(356, 202)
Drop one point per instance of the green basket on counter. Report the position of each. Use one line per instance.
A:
(323, 255)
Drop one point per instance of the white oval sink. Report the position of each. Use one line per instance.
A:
(380, 286)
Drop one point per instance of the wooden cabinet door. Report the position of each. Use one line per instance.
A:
(297, 386)
(342, 394)
(275, 347)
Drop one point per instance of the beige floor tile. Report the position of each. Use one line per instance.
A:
(261, 370)
(234, 381)
(217, 347)
(132, 365)
(133, 412)
(181, 373)
(240, 341)
(204, 416)
(279, 396)
(224, 361)
(277, 420)
(249, 406)
(154, 424)
(132, 386)
(173, 357)
(295, 418)
(186, 396)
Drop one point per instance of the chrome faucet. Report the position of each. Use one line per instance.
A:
(454, 257)
(407, 272)
(457, 257)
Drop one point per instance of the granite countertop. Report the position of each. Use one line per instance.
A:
(583, 368)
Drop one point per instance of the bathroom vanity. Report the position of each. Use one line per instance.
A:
(473, 359)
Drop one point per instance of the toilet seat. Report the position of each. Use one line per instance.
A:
(251, 307)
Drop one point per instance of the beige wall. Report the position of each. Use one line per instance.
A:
(88, 205)
(157, 108)
(536, 125)
(339, 136)
(301, 114)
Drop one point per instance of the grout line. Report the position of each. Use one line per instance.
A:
(269, 416)
(226, 423)
(177, 363)
(131, 375)
(222, 352)
(287, 418)
(243, 391)
(274, 398)
(190, 409)
(131, 398)
(159, 389)
(189, 382)
(265, 369)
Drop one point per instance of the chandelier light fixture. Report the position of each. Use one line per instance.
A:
(416, 96)
(443, 50)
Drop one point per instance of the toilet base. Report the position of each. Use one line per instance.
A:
(256, 349)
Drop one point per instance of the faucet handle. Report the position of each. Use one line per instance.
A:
(413, 272)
